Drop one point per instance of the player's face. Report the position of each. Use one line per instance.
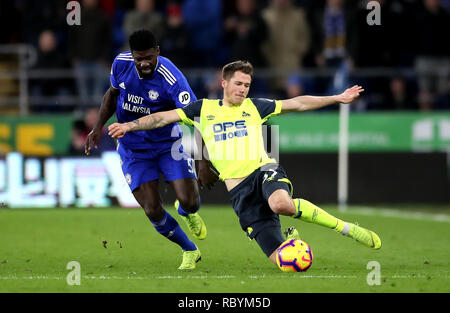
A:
(146, 60)
(236, 89)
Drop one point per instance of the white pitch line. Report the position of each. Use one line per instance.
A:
(299, 276)
(29, 277)
(196, 277)
(325, 276)
(371, 211)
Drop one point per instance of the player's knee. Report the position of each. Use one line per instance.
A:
(282, 205)
(154, 211)
(189, 203)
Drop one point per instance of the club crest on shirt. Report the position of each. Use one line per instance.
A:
(153, 95)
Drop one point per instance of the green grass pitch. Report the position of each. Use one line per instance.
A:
(119, 251)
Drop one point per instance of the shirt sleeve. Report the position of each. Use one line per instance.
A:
(182, 93)
(190, 112)
(267, 107)
(112, 76)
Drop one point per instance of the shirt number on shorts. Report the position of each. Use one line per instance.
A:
(266, 176)
(190, 163)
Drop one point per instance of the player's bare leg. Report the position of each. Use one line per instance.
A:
(147, 195)
(187, 205)
(187, 193)
(281, 203)
(273, 257)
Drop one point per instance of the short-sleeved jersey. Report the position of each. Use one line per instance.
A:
(232, 135)
(167, 89)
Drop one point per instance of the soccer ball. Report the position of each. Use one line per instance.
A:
(294, 255)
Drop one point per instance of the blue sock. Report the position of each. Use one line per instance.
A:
(169, 228)
(182, 212)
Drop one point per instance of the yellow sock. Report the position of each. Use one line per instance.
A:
(311, 213)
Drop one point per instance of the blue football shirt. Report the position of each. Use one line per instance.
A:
(167, 89)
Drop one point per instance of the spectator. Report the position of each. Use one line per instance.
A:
(332, 44)
(294, 86)
(433, 55)
(391, 43)
(331, 32)
(442, 101)
(399, 96)
(175, 41)
(90, 48)
(397, 35)
(107, 143)
(288, 38)
(38, 16)
(245, 32)
(119, 39)
(49, 57)
(144, 16)
(213, 84)
(10, 22)
(77, 137)
(203, 20)
(80, 131)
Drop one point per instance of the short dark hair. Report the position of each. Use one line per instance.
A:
(142, 40)
(242, 66)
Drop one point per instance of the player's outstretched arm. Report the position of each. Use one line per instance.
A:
(308, 103)
(152, 121)
(107, 109)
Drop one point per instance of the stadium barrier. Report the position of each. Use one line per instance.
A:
(17, 69)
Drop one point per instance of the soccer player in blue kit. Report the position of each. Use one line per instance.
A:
(143, 82)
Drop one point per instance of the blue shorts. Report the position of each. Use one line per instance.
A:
(142, 166)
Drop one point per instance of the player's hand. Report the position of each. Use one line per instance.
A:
(207, 174)
(92, 140)
(117, 130)
(350, 94)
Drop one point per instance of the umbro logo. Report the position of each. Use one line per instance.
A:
(122, 85)
(210, 117)
(245, 114)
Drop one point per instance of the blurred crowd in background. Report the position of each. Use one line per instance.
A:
(296, 46)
